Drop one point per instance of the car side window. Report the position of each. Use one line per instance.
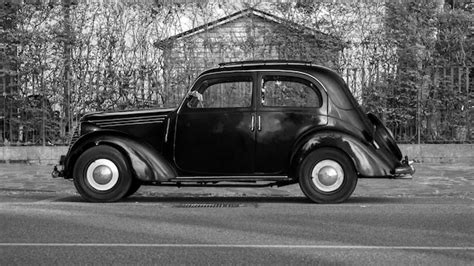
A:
(231, 92)
(287, 91)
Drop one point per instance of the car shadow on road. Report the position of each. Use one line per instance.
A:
(240, 200)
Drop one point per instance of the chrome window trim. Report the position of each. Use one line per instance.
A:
(251, 71)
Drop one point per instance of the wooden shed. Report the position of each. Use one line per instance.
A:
(249, 34)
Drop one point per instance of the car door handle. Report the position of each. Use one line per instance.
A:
(259, 127)
(252, 123)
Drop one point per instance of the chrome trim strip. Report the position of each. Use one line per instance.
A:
(131, 123)
(128, 118)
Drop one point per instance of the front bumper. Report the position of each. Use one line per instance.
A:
(58, 170)
(406, 170)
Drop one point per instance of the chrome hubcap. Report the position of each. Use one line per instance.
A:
(102, 174)
(327, 175)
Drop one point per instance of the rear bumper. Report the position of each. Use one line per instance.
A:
(58, 170)
(406, 169)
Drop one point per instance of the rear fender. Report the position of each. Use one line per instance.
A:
(147, 164)
(367, 161)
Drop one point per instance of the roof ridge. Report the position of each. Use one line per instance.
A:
(249, 10)
(265, 62)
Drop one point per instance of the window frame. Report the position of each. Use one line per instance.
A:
(320, 93)
(199, 84)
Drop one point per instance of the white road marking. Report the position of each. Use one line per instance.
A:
(133, 245)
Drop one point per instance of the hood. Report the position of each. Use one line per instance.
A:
(126, 115)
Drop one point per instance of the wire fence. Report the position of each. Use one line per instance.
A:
(436, 108)
(431, 105)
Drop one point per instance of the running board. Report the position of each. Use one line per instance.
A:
(227, 181)
(236, 184)
(200, 179)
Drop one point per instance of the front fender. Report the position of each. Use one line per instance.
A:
(147, 164)
(367, 160)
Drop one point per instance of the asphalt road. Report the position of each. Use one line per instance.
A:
(45, 228)
(427, 220)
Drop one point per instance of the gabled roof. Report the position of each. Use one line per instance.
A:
(237, 15)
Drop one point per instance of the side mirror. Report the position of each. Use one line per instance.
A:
(195, 100)
(195, 94)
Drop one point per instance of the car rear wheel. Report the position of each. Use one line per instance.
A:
(327, 176)
(101, 174)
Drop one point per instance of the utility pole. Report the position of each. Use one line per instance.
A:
(67, 54)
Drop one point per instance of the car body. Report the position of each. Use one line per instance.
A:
(249, 123)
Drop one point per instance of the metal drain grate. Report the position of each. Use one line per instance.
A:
(209, 205)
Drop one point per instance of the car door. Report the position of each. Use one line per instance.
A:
(215, 129)
(288, 105)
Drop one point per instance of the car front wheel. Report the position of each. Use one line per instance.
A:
(101, 174)
(327, 176)
(133, 188)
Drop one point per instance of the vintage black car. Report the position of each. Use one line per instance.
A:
(251, 123)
